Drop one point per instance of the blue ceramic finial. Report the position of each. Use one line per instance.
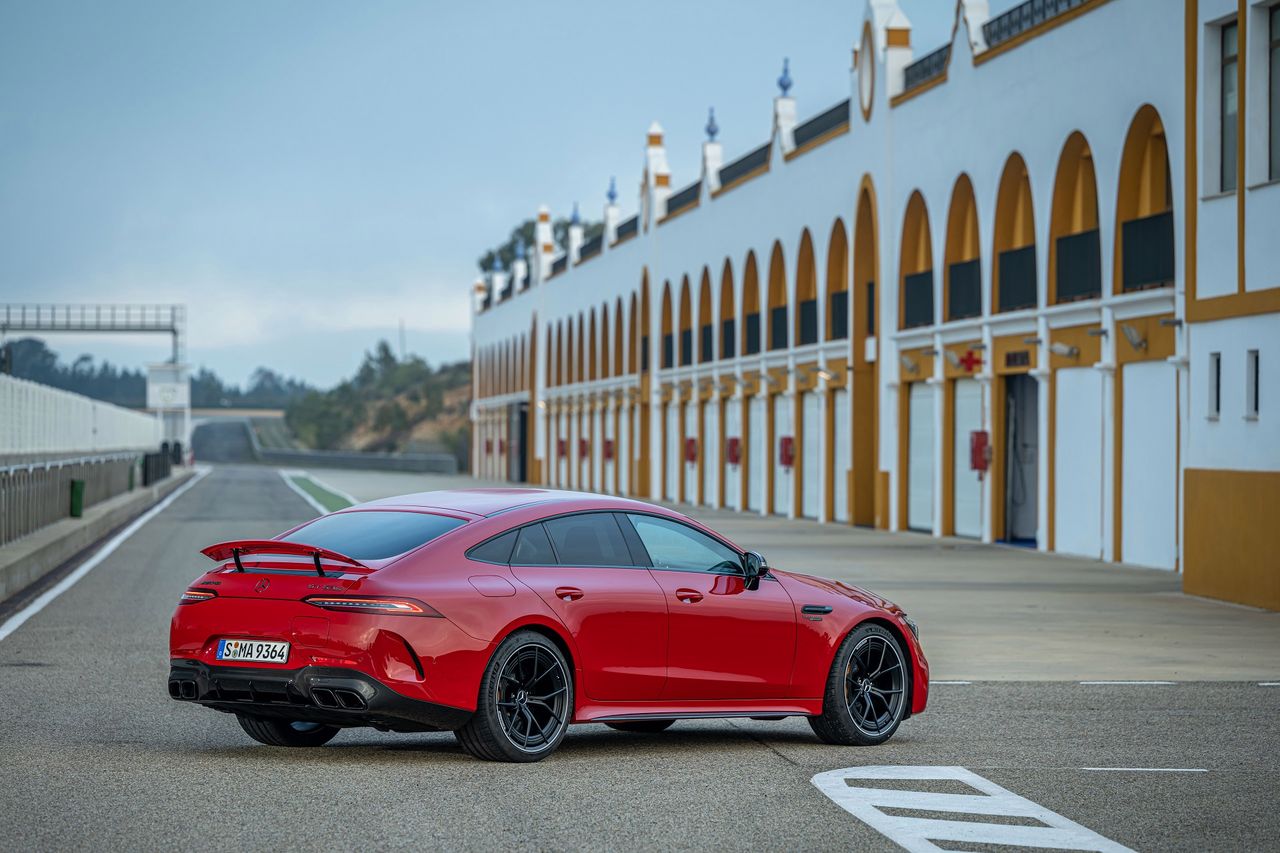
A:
(497, 263)
(712, 128)
(520, 248)
(575, 219)
(612, 194)
(784, 81)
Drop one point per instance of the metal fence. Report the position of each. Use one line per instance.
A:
(36, 494)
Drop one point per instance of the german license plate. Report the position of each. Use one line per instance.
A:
(253, 650)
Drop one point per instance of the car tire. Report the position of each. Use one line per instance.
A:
(525, 702)
(286, 732)
(867, 690)
(642, 727)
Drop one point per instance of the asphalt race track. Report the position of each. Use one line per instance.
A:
(93, 753)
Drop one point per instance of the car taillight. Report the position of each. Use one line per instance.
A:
(191, 596)
(372, 604)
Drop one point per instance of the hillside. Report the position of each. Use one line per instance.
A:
(391, 404)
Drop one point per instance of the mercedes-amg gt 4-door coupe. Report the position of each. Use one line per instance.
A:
(504, 615)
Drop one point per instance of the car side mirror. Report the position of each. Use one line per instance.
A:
(754, 567)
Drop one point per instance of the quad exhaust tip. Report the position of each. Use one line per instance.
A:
(337, 697)
(183, 689)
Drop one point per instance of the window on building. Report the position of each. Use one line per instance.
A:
(1274, 64)
(1215, 384)
(1227, 114)
(1251, 386)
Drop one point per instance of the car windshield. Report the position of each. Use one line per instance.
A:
(374, 534)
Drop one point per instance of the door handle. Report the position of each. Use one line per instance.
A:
(688, 596)
(569, 593)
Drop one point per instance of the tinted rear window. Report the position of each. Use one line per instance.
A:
(374, 535)
(591, 539)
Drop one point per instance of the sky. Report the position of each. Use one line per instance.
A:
(306, 175)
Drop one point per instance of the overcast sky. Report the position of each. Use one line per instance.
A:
(305, 174)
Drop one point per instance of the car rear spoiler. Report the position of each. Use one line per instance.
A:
(237, 548)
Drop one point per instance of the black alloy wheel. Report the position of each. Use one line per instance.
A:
(868, 689)
(531, 693)
(525, 702)
(874, 684)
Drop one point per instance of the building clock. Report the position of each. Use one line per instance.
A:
(866, 72)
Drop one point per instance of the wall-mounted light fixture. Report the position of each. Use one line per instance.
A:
(952, 358)
(1171, 321)
(1133, 336)
(1064, 350)
(1033, 341)
(908, 363)
(1096, 333)
(824, 375)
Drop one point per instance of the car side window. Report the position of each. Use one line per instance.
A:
(672, 545)
(533, 548)
(496, 550)
(588, 539)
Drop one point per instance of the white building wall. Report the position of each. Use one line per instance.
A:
(1090, 74)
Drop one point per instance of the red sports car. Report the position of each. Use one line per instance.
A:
(504, 615)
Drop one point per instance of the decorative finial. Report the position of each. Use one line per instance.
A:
(520, 248)
(575, 219)
(612, 194)
(784, 81)
(712, 128)
(497, 263)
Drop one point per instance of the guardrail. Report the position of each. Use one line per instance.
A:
(36, 494)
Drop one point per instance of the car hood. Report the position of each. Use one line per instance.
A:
(834, 587)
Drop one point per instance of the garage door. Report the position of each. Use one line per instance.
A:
(1149, 465)
(782, 476)
(920, 461)
(1077, 476)
(754, 449)
(711, 452)
(967, 505)
(691, 468)
(671, 440)
(811, 447)
(843, 442)
(733, 473)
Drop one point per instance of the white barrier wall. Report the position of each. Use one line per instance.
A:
(35, 418)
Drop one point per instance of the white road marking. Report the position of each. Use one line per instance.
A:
(1149, 769)
(1269, 683)
(288, 476)
(15, 621)
(919, 834)
(1127, 682)
(951, 682)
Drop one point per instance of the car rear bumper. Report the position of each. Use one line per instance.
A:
(331, 695)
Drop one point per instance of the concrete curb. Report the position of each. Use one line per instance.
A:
(30, 558)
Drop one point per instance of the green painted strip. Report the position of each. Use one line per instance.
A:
(327, 499)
